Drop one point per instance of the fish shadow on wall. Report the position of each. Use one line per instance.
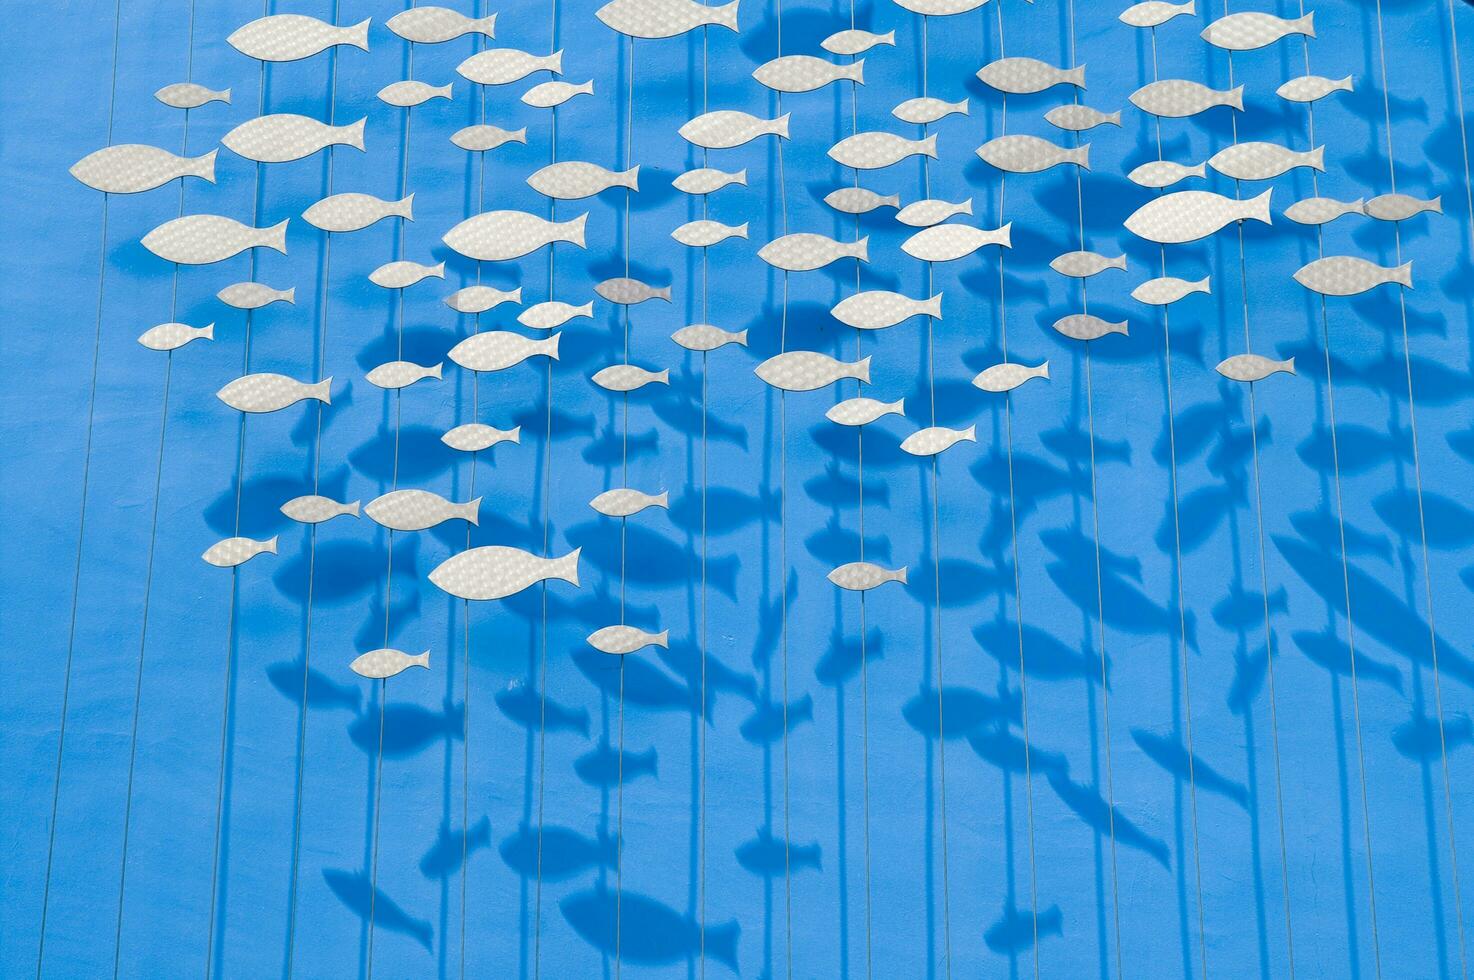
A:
(355, 891)
(650, 933)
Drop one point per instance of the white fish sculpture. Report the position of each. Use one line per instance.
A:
(1088, 326)
(705, 233)
(553, 313)
(237, 551)
(355, 212)
(434, 25)
(1253, 367)
(572, 180)
(495, 571)
(1311, 88)
(479, 139)
(861, 576)
(479, 299)
(863, 411)
(404, 274)
(199, 239)
(474, 437)
(1164, 173)
(497, 236)
(393, 375)
(876, 309)
(707, 180)
(550, 95)
(412, 92)
(1186, 216)
(1083, 264)
(701, 337)
(620, 640)
(1347, 275)
(805, 370)
(131, 168)
(937, 439)
(315, 509)
(387, 662)
(1025, 76)
(292, 37)
(419, 510)
(172, 336)
(924, 214)
(503, 66)
(805, 251)
(1252, 29)
(1264, 161)
(188, 95)
(805, 73)
(624, 502)
(260, 393)
(1319, 210)
(1155, 13)
(726, 128)
(860, 200)
(1024, 154)
(1178, 98)
(874, 150)
(944, 243)
(855, 41)
(254, 295)
(1400, 207)
(925, 111)
(654, 19)
(625, 291)
(283, 136)
(497, 350)
(1166, 290)
(1008, 376)
(629, 377)
(939, 8)
(1079, 118)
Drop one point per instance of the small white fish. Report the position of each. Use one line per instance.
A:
(1079, 118)
(1178, 98)
(473, 437)
(806, 370)
(874, 150)
(1319, 210)
(704, 233)
(282, 137)
(386, 663)
(502, 66)
(1252, 367)
(1155, 13)
(1186, 216)
(937, 439)
(863, 411)
(172, 336)
(1309, 88)
(1025, 76)
(412, 92)
(665, 18)
(254, 295)
(315, 508)
(260, 393)
(188, 95)
(479, 299)
(1264, 161)
(1400, 207)
(1083, 265)
(497, 350)
(199, 239)
(1164, 173)
(553, 313)
(1087, 326)
(130, 168)
(805, 73)
(392, 375)
(237, 551)
(1024, 154)
(495, 572)
(726, 128)
(402, 275)
(624, 291)
(628, 377)
(354, 212)
(924, 214)
(940, 8)
(855, 41)
(706, 180)
(925, 111)
(943, 243)
(575, 179)
(1008, 376)
(625, 502)
(805, 251)
(705, 337)
(859, 200)
(876, 309)
(1252, 29)
(1165, 290)
(292, 37)
(861, 576)
(479, 139)
(433, 25)
(550, 95)
(1347, 275)
(419, 510)
(497, 236)
(620, 640)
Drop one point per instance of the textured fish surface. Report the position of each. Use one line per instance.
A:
(385, 663)
(496, 571)
(705, 337)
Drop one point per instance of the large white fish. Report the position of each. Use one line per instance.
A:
(705, 337)
(1087, 326)
(705, 233)
(496, 236)
(1025, 154)
(665, 18)
(861, 576)
(876, 309)
(473, 437)
(1264, 161)
(1186, 216)
(943, 243)
(254, 295)
(863, 411)
(188, 95)
(314, 509)
(387, 662)
(1155, 13)
(806, 370)
(392, 375)
(1178, 98)
(172, 336)
(412, 92)
(1008, 376)
(550, 95)
(575, 179)
(620, 640)
(1025, 76)
(553, 313)
(502, 66)
(419, 510)
(1253, 367)
(199, 239)
(874, 150)
(1165, 290)
(292, 37)
(479, 299)
(924, 111)
(1400, 207)
(629, 377)
(354, 212)
(936, 439)
(924, 214)
(1347, 275)
(433, 25)
(404, 274)
(237, 551)
(805, 73)
(1253, 29)
(283, 136)
(856, 41)
(497, 350)
(726, 128)
(624, 502)
(259, 393)
(706, 180)
(1310, 88)
(805, 251)
(479, 139)
(130, 168)
(495, 571)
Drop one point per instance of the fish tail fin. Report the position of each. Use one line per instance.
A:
(664, 293)
(1306, 24)
(1043, 370)
(485, 25)
(742, 337)
(862, 369)
(447, 90)
(574, 229)
(725, 16)
(663, 377)
(741, 230)
(860, 249)
(1080, 156)
(224, 96)
(900, 575)
(1113, 118)
(566, 568)
(1436, 205)
(208, 331)
(515, 435)
(899, 405)
(1236, 98)
(1343, 85)
(1005, 235)
(357, 35)
(933, 307)
(550, 346)
(274, 238)
(970, 433)
(554, 62)
(354, 133)
(780, 126)
(471, 511)
(435, 371)
(1316, 159)
(1258, 208)
(323, 390)
(423, 660)
(587, 88)
(1076, 76)
(1359, 206)
(965, 207)
(630, 178)
(1191, 9)
(1201, 170)
(1119, 262)
(586, 309)
(269, 545)
(353, 509)
(721, 943)
(288, 295)
(929, 146)
(405, 207)
(204, 166)
(855, 72)
(1403, 275)
(1289, 366)
(661, 639)
(1204, 285)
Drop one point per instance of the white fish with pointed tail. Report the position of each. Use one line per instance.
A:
(876, 309)
(283, 136)
(805, 251)
(1083, 265)
(1319, 210)
(1252, 29)
(1264, 161)
(620, 640)
(702, 337)
(237, 551)
(188, 95)
(705, 233)
(412, 92)
(354, 212)
(1166, 290)
(479, 299)
(172, 336)
(924, 214)
(550, 95)
(387, 662)
(806, 370)
(937, 439)
(474, 437)
(495, 572)
(860, 200)
(496, 236)
(856, 41)
(1079, 118)
(1347, 275)
(944, 243)
(292, 37)
(393, 375)
(629, 377)
(1400, 207)
(624, 502)
(863, 411)
(575, 179)
(502, 66)
(1178, 98)
(1087, 326)
(939, 8)
(260, 393)
(861, 576)
(1008, 376)
(625, 291)
(479, 139)
(1186, 216)
(315, 509)
(707, 180)
(874, 150)
(497, 350)
(1155, 13)
(419, 510)
(1164, 173)
(434, 25)
(130, 168)
(199, 239)
(805, 73)
(653, 19)
(925, 111)
(1311, 88)
(553, 313)
(1025, 76)
(726, 128)
(1253, 367)
(404, 274)
(1024, 154)
(254, 295)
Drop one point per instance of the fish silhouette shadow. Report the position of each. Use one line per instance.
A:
(402, 611)
(963, 582)
(645, 684)
(1420, 738)
(727, 510)
(961, 711)
(1172, 756)
(842, 490)
(1013, 933)
(354, 890)
(683, 659)
(684, 416)
(564, 852)
(601, 766)
(1198, 514)
(322, 691)
(650, 933)
(1087, 804)
(346, 570)
(261, 498)
(655, 561)
(999, 747)
(1450, 525)
(1331, 653)
(421, 455)
(765, 725)
(408, 728)
(1358, 449)
(835, 545)
(766, 857)
(1250, 668)
(882, 451)
(444, 856)
(534, 422)
(1072, 442)
(1045, 656)
(1243, 609)
(521, 705)
(612, 446)
(841, 660)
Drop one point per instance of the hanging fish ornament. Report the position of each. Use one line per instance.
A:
(572, 180)
(1252, 29)
(1008, 376)
(1083, 265)
(1400, 207)
(410, 93)
(876, 309)
(861, 576)
(261, 393)
(1347, 275)
(1155, 13)
(874, 150)
(496, 236)
(855, 41)
(1319, 210)
(1023, 154)
(621, 640)
(1166, 290)
(1178, 98)
(860, 200)
(924, 214)
(497, 350)
(937, 439)
(1252, 367)
(419, 510)
(404, 274)
(479, 299)
(704, 233)
(1186, 216)
(1080, 118)
(188, 95)
(475, 437)
(1310, 88)
(625, 502)
(282, 137)
(925, 111)
(804, 370)
(805, 252)
(434, 25)
(479, 139)
(629, 377)
(1164, 173)
(550, 95)
(355, 212)
(503, 66)
(172, 336)
(944, 243)
(292, 37)
(726, 128)
(386, 663)
(703, 337)
(1025, 76)
(1087, 326)
(255, 295)
(939, 8)
(805, 73)
(237, 551)
(553, 313)
(863, 411)
(1264, 161)
(625, 291)
(495, 572)
(131, 168)
(315, 509)
(393, 375)
(199, 239)
(654, 19)
(707, 180)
